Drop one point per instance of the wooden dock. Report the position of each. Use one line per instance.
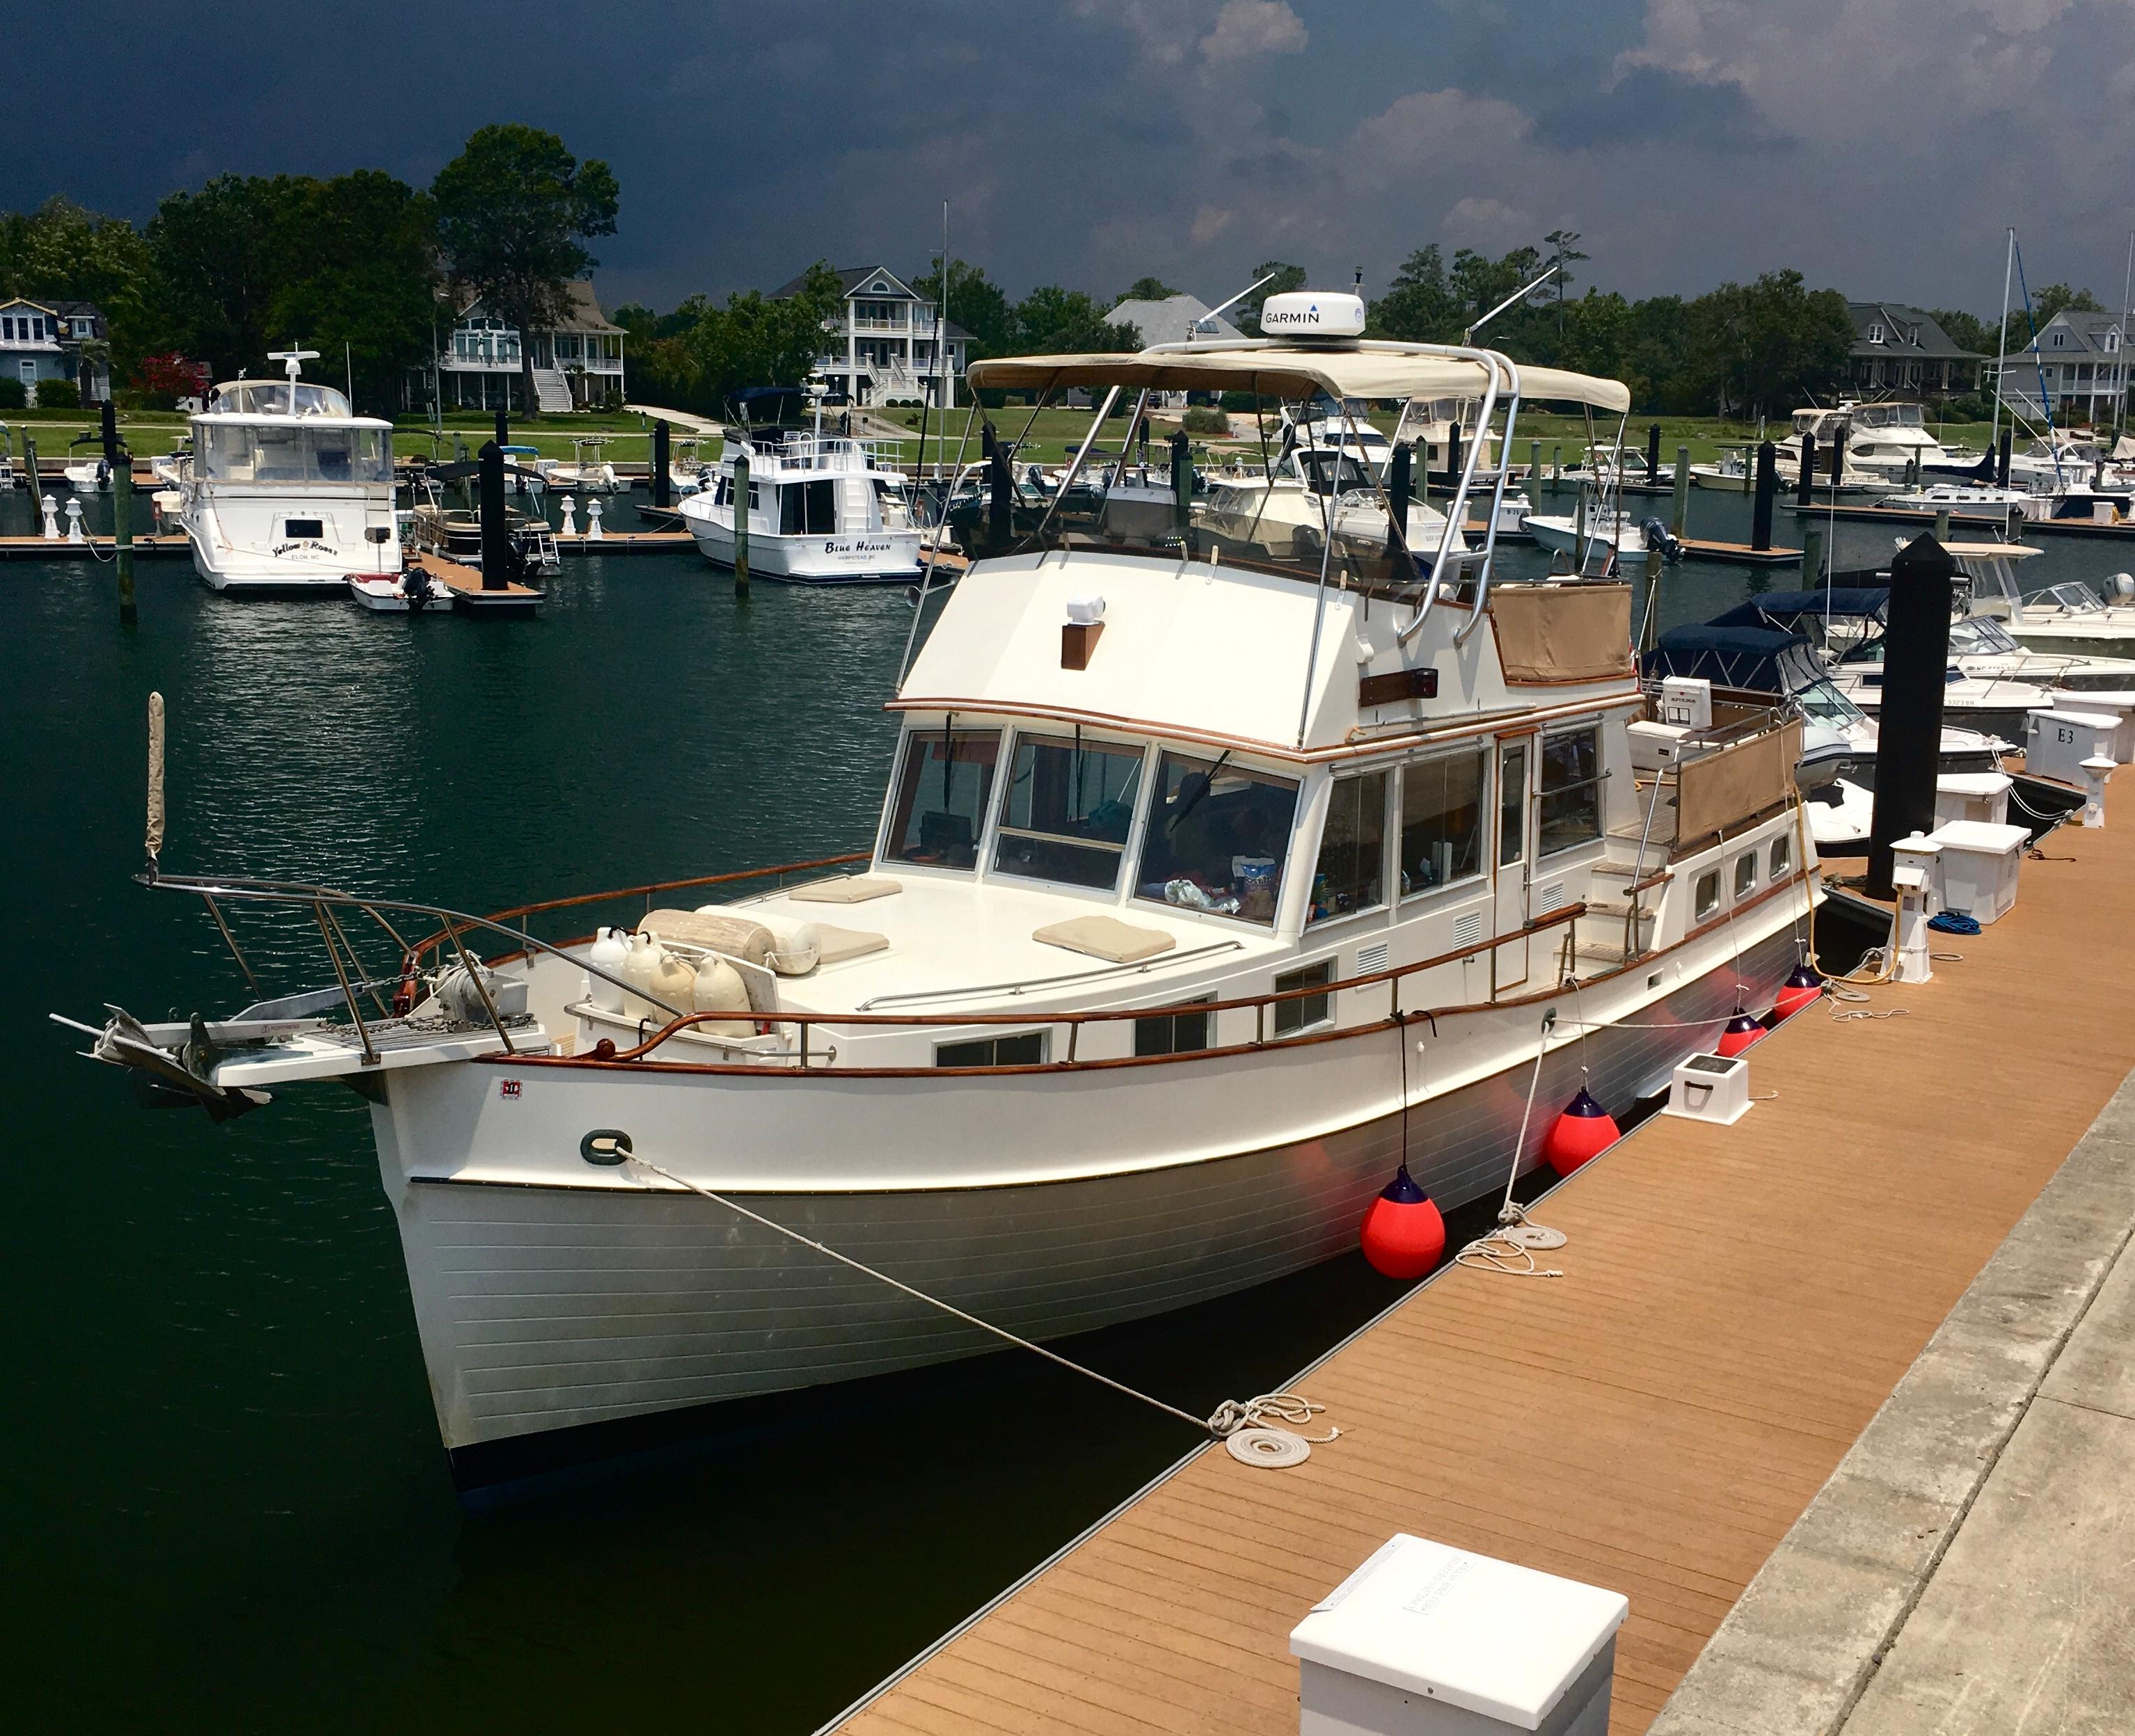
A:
(2027, 528)
(97, 548)
(1737, 555)
(471, 594)
(1737, 1302)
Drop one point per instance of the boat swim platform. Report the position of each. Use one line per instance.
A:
(1737, 1303)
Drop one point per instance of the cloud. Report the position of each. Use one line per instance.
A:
(1209, 222)
(1248, 28)
(1650, 105)
(1489, 225)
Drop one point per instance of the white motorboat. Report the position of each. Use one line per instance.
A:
(2069, 618)
(286, 490)
(1973, 499)
(822, 510)
(90, 474)
(1205, 895)
(1590, 538)
(1889, 438)
(398, 593)
(688, 471)
(585, 471)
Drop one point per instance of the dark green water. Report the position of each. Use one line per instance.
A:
(224, 1502)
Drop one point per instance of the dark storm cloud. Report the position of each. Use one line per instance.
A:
(1090, 142)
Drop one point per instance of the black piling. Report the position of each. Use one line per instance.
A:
(1768, 489)
(1838, 455)
(660, 480)
(2001, 467)
(1000, 489)
(1400, 482)
(1182, 489)
(1653, 455)
(1805, 483)
(1908, 734)
(1453, 458)
(496, 540)
(503, 429)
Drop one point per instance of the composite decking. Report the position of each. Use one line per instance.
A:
(1736, 1304)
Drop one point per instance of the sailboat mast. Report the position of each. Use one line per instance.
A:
(2001, 341)
(2120, 356)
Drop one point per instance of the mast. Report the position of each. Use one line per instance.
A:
(2120, 357)
(2001, 341)
(941, 353)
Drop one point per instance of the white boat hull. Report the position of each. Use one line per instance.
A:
(1560, 535)
(552, 1295)
(850, 557)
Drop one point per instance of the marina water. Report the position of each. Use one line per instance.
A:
(226, 1502)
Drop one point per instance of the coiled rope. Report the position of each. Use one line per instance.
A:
(1244, 1426)
(1510, 1247)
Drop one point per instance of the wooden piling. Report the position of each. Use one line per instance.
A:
(1811, 556)
(1682, 490)
(741, 486)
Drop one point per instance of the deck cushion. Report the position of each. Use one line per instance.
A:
(738, 937)
(1106, 937)
(846, 889)
(834, 945)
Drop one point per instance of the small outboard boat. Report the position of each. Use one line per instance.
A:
(398, 593)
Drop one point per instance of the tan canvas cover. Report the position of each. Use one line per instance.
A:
(1562, 632)
(1106, 937)
(834, 945)
(1718, 789)
(1275, 370)
(846, 889)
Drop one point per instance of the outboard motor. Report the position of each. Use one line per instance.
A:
(1660, 539)
(2120, 588)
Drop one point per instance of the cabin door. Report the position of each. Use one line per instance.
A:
(1508, 959)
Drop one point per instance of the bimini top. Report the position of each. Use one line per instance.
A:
(1782, 609)
(1760, 660)
(1367, 368)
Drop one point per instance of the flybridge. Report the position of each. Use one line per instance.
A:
(1308, 313)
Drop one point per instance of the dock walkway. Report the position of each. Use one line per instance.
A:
(1738, 1303)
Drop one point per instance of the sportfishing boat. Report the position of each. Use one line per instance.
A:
(287, 490)
(1208, 890)
(1889, 438)
(2069, 618)
(91, 475)
(587, 471)
(1593, 537)
(822, 510)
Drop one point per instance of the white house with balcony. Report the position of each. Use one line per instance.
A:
(577, 361)
(2084, 359)
(883, 352)
(55, 339)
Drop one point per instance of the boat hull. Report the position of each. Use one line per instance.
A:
(609, 1294)
(847, 558)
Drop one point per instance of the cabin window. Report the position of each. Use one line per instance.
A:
(806, 508)
(1783, 856)
(314, 528)
(1024, 1049)
(1513, 805)
(1351, 874)
(942, 797)
(1217, 838)
(1307, 1009)
(1707, 899)
(1570, 791)
(1441, 819)
(1174, 1033)
(1065, 813)
(1745, 873)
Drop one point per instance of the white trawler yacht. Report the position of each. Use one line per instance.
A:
(286, 490)
(1207, 890)
(822, 509)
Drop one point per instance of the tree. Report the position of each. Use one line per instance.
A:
(979, 306)
(220, 256)
(514, 212)
(1052, 321)
(1563, 253)
(1762, 346)
(357, 279)
(1967, 331)
(1418, 305)
(1282, 279)
(60, 252)
(2052, 299)
(1146, 289)
(757, 341)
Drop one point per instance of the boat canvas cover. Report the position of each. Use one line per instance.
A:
(1754, 659)
(1562, 632)
(1784, 609)
(1367, 369)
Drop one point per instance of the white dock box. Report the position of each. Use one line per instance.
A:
(1423, 1640)
(1978, 866)
(2118, 702)
(1980, 796)
(1712, 1088)
(2060, 741)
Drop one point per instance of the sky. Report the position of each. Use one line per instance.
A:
(1878, 146)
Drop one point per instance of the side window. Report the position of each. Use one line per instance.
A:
(1707, 900)
(942, 791)
(1351, 872)
(1745, 873)
(1782, 855)
(1173, 1033)
(1216, 838)
(1066, 810)
(1571, 808)
(1441, 819)
(1307, 1009)
(1513, 805)
(1024, 1049)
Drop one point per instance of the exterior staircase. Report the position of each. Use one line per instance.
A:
(551, 391)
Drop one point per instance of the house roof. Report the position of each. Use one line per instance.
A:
(859, 280)
(2088, 328)
(1907, 330)
(1170, 321)
(582, 310)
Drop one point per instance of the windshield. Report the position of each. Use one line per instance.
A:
(2078, 598)
(250, 452)
(942, 797)
(1333, 472)
(1065, 813)
(1821, 703)
(1974, 634)
(1216, 839)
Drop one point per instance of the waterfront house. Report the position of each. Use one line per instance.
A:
(2084, 359)
(881, 351)
(55, 339)
(577, 361)
(1176, 319)
(1901, 351)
